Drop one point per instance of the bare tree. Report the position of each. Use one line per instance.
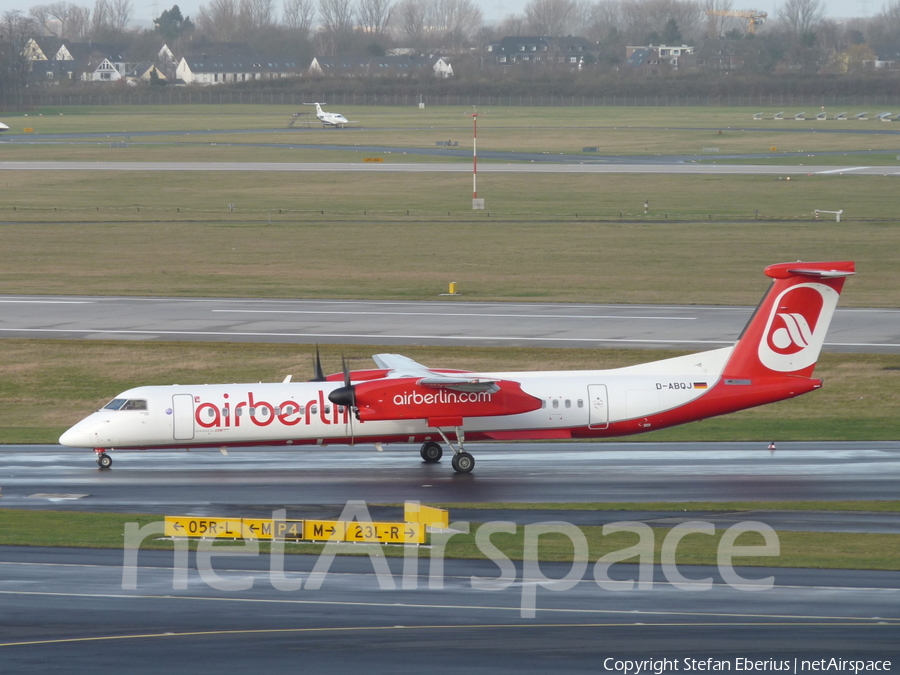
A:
(40, 14)
(15, 31)
(298, 16)
(375, 16)
(512, 24)
(716, 25)
(79, 22)
(884, 28)
(335, 35)
(100, 19)
(579, 17)
(220, 20)
(549, 17)
(59, 13)
(801, 16)
(337, 16)
(605, 19)
(455, 22)
(120, 13)
(411, 19)
(257, 14)
(642, 18)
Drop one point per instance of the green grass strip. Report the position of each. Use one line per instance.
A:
(886, 506)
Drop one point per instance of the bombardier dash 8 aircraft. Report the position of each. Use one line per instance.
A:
(405, 402)
(329, 119)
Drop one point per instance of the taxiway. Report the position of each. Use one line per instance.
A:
(72, 610)
(455, 322)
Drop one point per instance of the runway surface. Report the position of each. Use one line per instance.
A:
(440, 167)
(319, 481)
(292, 136)
(402, 323)
(72, 611)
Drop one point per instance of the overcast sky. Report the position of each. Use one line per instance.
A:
(146, 10)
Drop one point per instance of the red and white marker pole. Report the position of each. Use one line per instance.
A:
(475, 155)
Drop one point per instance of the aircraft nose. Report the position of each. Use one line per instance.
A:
(77, 437)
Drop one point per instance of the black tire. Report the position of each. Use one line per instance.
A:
(105, 461)
(431, 452)
(463, 462)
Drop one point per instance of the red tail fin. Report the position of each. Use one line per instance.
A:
(786, 333)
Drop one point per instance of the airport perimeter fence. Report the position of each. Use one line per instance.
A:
(87, 215)
(212, 97)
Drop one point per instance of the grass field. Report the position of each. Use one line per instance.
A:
(858, 402)
(413, 258)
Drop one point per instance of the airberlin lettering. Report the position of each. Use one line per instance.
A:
(442, 396)
(263, 413)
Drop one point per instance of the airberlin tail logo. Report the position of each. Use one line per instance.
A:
(794, 335)
(796, 329)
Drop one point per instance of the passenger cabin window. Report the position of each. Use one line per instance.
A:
(555, 403)
(568, 403)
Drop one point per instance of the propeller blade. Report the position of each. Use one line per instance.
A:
(345, 395)
(319, 373)
(346, 370)
(351, 390)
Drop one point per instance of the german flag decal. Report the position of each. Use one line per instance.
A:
(700, 385)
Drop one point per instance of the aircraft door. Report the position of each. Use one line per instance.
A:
(183, 417)
(598, 407)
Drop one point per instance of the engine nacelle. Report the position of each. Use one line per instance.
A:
(405, 399)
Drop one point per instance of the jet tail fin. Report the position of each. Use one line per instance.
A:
(785, 334)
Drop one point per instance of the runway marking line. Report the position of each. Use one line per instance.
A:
(851, 620)
(476, 314)
(842, 170)
(426, 577)
(377, 336)
(350, 629)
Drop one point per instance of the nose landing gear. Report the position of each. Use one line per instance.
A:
(104, 461)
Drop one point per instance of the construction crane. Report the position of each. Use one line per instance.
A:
(753, 17)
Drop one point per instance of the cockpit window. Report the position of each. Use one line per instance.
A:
(126, 404)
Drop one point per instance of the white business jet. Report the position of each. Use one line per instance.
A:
(330, 119)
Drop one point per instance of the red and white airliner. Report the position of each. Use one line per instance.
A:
(405, 402)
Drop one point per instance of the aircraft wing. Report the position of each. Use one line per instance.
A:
(402, 367)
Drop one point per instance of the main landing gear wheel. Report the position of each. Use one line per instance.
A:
(104, 461)
(463, 462)
(431, 452)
